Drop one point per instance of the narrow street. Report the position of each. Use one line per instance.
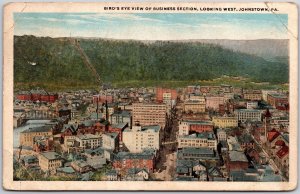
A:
(167, 154)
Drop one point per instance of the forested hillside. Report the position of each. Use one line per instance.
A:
(55, 60)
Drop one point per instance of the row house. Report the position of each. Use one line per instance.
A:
(37, 95)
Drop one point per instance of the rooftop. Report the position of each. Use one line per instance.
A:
(237, 156)
(51, 155)
(45, 128)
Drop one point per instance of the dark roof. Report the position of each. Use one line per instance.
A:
(147, 155)
(45, 128)
(51, 155)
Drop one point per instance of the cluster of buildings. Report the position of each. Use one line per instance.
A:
(222, 133)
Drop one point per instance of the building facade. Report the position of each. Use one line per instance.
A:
(149, 114)
(225, 121)
(140, 138)
(248, 114)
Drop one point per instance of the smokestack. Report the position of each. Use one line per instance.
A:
(97, 107)
(106, 110)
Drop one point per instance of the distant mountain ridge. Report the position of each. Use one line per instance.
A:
(58, 62)
(266, 48)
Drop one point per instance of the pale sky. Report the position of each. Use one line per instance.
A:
(153, 26)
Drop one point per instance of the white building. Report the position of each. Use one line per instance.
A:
(198, 140)
(221, 134)
(88, 141)
(140, 138)
(110, 141)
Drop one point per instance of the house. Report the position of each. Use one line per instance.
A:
(81, 166)
(50, 161)
(42, 144)
(136, 174)
(65, 171)
(30, 161)
(98, 154)
(215, 174)
(111, 175)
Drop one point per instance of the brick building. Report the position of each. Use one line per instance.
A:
(165, 94)
(123, 161)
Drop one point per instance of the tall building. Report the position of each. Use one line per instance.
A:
(149, 114)
(141, 138)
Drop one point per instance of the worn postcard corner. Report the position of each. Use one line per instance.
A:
(150, 96)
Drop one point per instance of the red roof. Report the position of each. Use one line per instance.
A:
(283, 152)
(272, 135)
(279, 143)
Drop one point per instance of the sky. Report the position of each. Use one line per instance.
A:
(153, 26)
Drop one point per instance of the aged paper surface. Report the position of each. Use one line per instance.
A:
(150, 96)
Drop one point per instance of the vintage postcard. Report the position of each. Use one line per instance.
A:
(150, 96)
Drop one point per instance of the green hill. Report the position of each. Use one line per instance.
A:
(58, 62)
